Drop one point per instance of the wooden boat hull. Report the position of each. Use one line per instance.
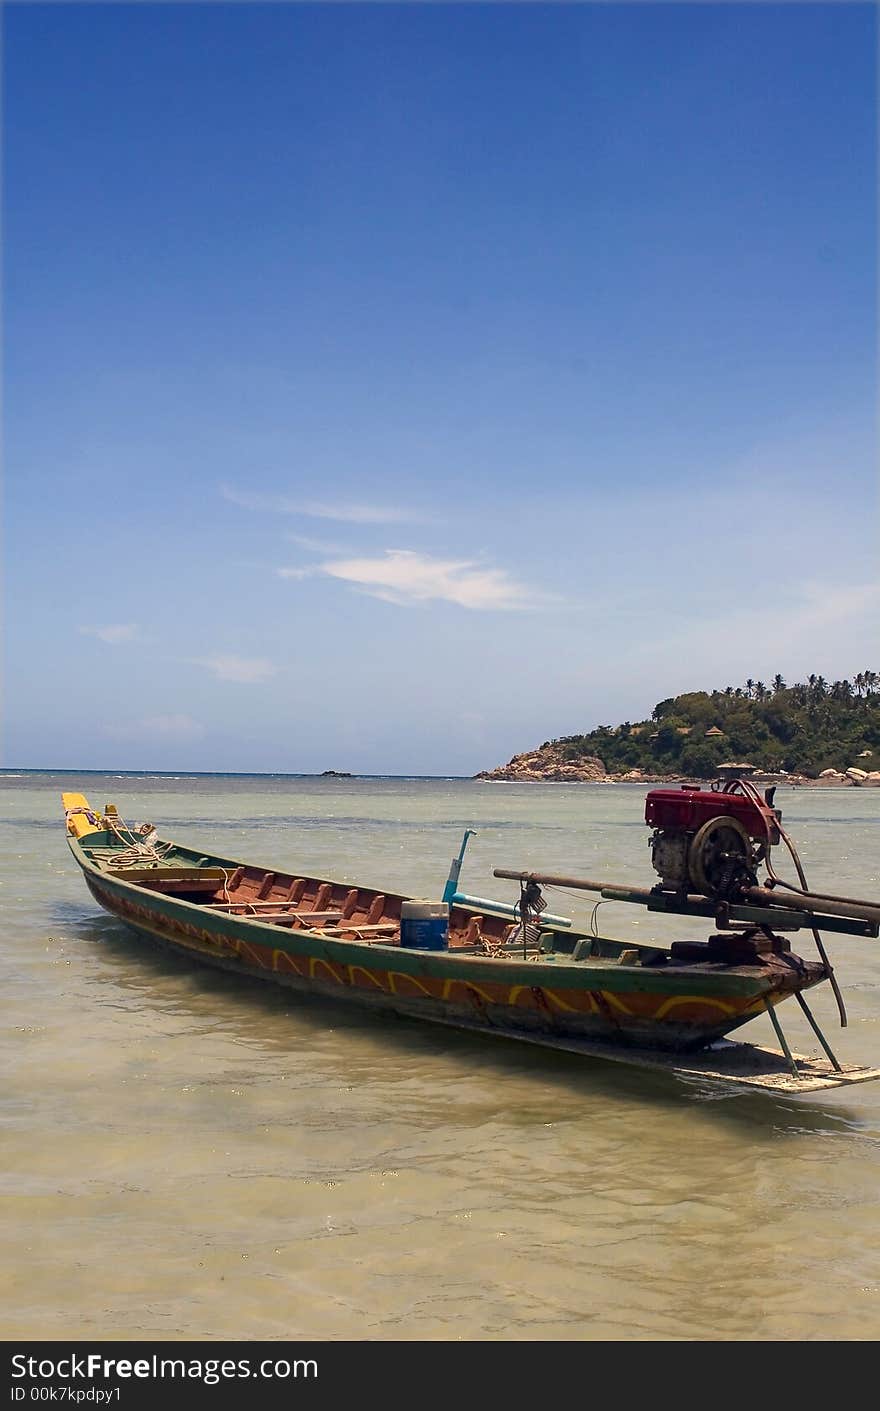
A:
(671, 1014)
(551, 997)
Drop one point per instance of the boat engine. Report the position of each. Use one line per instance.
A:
(710, 841)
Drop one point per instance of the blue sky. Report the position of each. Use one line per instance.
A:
(390, 388)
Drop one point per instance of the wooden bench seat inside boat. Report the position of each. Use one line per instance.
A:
(308, 918)
(173, 879)
(354, 928)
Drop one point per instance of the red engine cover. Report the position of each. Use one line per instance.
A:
(686, 810)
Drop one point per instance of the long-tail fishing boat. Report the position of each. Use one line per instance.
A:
(510, 968)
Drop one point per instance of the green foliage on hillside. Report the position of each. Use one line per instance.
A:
(804, 729)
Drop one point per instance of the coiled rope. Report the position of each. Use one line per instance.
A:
(137, 851)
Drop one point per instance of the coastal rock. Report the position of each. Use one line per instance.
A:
(547, 766)
(550, 764)
(642, 776)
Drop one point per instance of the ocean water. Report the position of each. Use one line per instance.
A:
(187, 1155)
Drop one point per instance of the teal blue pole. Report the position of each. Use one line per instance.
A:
(546, 918)
(455, 867)
(452, 896)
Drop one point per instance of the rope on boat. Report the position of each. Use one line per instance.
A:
(493, 948)
(512, 939)
(137, 851)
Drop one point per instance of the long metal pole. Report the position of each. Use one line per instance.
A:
(810, 902)
(782, 1039)
(581, 883)
(818, 1032)
(762, 896)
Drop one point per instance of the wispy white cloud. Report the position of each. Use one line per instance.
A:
(796, 614)
(114, 633)
(315, 546)
(344, 512)
(235, 668)
(363, 514)
(161, 727)
(404, 577)
(809, 625)
(275, 504)
(825, 603)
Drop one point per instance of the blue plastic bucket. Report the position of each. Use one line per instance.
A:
(424, 925)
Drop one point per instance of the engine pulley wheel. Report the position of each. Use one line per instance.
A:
(720, 852)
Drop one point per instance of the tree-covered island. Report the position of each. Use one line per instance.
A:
(800, 730)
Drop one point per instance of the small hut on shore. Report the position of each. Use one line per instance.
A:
(736, 771)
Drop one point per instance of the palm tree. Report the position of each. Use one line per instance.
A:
(778, 684)
(750, 686)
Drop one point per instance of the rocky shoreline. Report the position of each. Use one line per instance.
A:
(549, 766)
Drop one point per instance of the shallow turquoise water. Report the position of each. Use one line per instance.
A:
(187, 1155)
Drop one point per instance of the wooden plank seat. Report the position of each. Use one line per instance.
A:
(278, 904)
(172, 872)
(173, 879)
(311, 920)
(328, 923)
(368, 925)
(263, 909)
(251, 905)
(180, 885)
(294, 896)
